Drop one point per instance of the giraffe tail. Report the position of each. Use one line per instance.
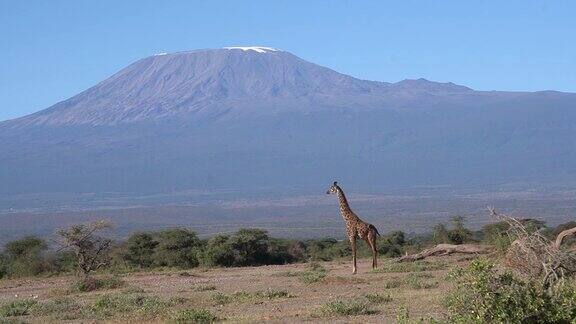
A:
(375, 229)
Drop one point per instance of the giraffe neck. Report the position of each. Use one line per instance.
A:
(345, 209)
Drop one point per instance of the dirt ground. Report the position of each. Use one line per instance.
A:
(416, 291)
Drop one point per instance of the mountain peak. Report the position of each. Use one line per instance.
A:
(259, 49)
(206, 81)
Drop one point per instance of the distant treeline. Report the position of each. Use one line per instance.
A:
(182, 248)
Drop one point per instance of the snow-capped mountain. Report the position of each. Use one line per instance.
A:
(253, 117)
(188, 82)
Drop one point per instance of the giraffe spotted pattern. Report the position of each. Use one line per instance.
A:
(355, 227)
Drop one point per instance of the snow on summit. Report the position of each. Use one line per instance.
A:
(259, 49)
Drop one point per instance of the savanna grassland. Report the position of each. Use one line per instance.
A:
(317, 292)
(511, 271)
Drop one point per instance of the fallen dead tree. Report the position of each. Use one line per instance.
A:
(445, 249)
(534, 255)
(562, 235)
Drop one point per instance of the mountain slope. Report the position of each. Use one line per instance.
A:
(252, 118)
(171, 84)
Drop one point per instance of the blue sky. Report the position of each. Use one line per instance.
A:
(51, 50)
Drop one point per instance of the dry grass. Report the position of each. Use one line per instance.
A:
(290, 293)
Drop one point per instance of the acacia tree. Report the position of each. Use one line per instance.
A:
(88, 246)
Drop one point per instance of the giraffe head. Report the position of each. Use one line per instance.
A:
(333, 189)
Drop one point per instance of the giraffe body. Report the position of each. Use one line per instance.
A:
(355, 227)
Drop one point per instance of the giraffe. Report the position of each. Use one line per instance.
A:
(355, 227)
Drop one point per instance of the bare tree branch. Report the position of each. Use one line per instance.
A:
(560, 238)
(534, 255)
(89, 248)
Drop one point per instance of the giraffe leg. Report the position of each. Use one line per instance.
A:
(372, 242)
(353, 244)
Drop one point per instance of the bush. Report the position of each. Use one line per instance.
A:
(458, 234)
(416, 282)
(314, 273)
(219, 252)
(251, 247)
(496, 234)
(29, 256)
(16, 308)
(273, 294)
(60, 308)
(347, 308)
(89, 248)
(195, 316)
(393, 283)
(90, 284)
(327, 249)
(25, 257)
(220, 298)
(378, 298)
(60, 262)
(140, 249)
(4, 264)
(391, 244)
(248, 247)
(26, 246)
(440, 234)
(177, 248)
(484, 295)
(125, 304)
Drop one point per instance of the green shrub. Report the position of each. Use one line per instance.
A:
(273, 294)
(327, 249)
(314, 273)
(112, 305)
(496, 234)
(219, 252)
(62, 262)
(416, 282)
(391, 244)
(177, 248)
(25, 257)
(140, 248)
(378, 298)
(195, 316)
(220, 298)
(483, 294)
(4, 264)
(60, 308)
(402, 315)
(457, 234)
(248, 247)
(393, 283)
(349, 307)
(16, 308)
(91, 283)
